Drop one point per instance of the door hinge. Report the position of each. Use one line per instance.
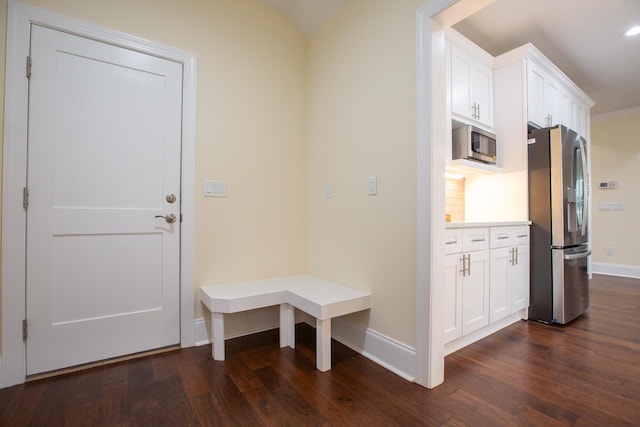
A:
(28, 67)
(25, 197)
(24, 329)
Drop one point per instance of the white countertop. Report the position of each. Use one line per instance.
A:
(485, 224)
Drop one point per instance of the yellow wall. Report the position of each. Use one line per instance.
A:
(278, 117)
(362, 122)
(615, 146)
(250, 124)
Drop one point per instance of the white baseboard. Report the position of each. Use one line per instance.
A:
(464, 341)
(393, 355)
(621, 270)
(386, 352)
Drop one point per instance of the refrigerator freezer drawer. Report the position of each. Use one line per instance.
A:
(570, 283)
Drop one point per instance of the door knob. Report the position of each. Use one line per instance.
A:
(170, 218)
(171, 198)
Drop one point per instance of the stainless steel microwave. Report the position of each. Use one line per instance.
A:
(470, 142)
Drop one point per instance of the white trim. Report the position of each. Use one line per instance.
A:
(464, 341)
(20, 17)
(621, 270)
(620, 114)
(393, 355)
(429, 370)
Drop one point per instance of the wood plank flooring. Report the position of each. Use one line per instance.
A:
(586, 373)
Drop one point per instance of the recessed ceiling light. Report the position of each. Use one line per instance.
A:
(634, 31)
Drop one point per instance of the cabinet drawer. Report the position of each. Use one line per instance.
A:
(502, 237)
(520, 235)
(475, 239)
(453, 241)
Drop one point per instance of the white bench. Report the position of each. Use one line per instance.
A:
(320, 298)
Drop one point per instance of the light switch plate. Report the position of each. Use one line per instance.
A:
(372, 185)
(213, 188)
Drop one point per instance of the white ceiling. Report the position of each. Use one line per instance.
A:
(308, 15)
(584, 38)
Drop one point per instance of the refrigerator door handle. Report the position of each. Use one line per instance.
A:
(585, 190)
(578, 255)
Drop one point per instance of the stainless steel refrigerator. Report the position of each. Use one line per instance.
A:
(558, 210)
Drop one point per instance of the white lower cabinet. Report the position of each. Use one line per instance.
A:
(467, 282)
(453, 298)
(520, 279)
(475, 292)
(487, 280)
(500, 289)
(509, 289)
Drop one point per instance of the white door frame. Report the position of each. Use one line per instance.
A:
(20, 18)
(431, 153)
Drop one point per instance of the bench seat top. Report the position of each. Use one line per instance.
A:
(320, 298)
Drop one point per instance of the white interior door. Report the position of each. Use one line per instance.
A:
(103, 157)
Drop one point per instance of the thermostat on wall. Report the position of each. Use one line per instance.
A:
(608, 185)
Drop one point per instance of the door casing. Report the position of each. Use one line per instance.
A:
(20, 18)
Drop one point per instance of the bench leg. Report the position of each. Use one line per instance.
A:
(287, 326)
(217, 336)
(323, 344)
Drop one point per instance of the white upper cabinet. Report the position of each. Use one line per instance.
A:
(530, 89)
(573, 113)
(544, 97)
(471, 87)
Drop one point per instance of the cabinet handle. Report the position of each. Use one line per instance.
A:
(511, 256)
(503, 238)
(468, 264)
(520, 236)
(453, 242)
(475, 111)
(477, 240)
(516, 252)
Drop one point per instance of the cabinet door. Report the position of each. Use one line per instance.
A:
(568, 113)
(552, 98)
(482, 93)
(520, 279)
(471, 87)
(453, 298)
(500, 288)
(535, 94)
(475, 293)
(581, 119)
(460, 83)
(543, 97)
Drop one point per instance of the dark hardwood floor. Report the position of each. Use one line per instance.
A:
(585, 373)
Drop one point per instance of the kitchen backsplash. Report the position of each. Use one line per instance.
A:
(455, 199)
